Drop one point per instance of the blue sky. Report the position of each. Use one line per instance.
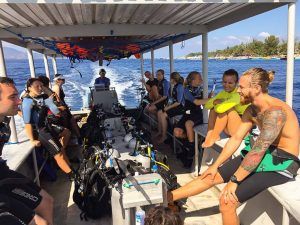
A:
(259, 27)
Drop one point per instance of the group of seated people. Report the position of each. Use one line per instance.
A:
(235, 111)
(270, 156)
(184, 97)
(49, 124)
(48, 120)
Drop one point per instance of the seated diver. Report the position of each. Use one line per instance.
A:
(225, 110)
(15, 206)
(42, 127)
(163, 91)
(269, 159)
(174, 108)
(151, 86)
(193, 101)
(70, 121)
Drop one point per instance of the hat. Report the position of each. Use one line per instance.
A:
(59, 77)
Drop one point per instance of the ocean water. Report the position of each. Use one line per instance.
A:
(125, 76)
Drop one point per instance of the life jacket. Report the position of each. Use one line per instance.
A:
(45, 117)
(173, 94)
(160, 87)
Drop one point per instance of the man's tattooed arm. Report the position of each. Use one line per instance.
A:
(272, 123)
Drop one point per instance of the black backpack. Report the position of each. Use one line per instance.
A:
(91, 192)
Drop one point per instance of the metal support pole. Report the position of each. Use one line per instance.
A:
(142, 68)
(152, 61)
(54, 64)
(31, 62)
(290, 54)
(171, 57)
(205, 72)
(2, 62)
(35, 167)
(12, 124)
(46, 65)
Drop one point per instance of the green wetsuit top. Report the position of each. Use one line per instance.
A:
(231, 99)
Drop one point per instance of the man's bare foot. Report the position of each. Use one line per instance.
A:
(210, 140)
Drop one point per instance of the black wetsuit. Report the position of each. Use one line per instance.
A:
(192, 112)
(17, 200)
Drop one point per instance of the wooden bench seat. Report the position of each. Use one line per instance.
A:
(16, 154)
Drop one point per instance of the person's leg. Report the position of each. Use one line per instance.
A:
(74, 127)
(219, 127)
(159, 123)
(62, 163)
(228, 209)
(179, 130)
(195, 187)
(188, 145)
(164, 127)
(250, 187)
(65, 137)
(234, 121)
(45, 208)
(64, 140)
(211, 121)
(189, 126)
(37, 220)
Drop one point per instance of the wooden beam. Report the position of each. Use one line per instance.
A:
(102, 30)
(144, 1)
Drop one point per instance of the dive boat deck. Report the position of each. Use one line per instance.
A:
(197, 210)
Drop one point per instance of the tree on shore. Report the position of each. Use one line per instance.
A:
(271, 46)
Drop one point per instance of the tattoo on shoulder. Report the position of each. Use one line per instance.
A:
(272, 122)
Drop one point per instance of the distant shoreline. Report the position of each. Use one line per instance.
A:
(297, 57)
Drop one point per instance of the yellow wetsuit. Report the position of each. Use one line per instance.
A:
(230, 100)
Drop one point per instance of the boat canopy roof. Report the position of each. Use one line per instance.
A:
(115, 29)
